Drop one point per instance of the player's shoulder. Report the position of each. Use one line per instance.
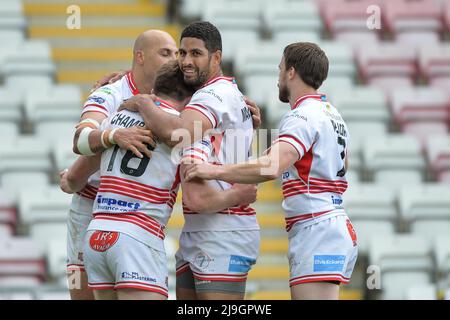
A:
(219, 89)
(109, 91)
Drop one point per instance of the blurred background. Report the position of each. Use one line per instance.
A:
(389, 77)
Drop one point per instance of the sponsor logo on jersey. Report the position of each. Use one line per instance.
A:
(240, 263)
(120, 203)
(285, 175)
(329, 263)
(105, 90)
(124, 120)
(295, 114)
(336, 200)
(136, 276)
(246, 114)
(212, 93)
(103, 240)
(96, 99)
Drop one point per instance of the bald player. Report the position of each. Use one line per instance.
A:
(151, 50)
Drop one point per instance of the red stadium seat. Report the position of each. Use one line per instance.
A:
(419, 104)
(387, 60)
(21, 257)
(438, 155)
(434, 61)
(409, 15)
(346, 15)
(423, 130)
(447, 16)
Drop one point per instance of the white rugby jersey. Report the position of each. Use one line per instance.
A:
(136, 196)
(106, 100)
(314, 185)
(223, 104)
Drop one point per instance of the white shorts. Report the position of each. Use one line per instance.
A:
(77, 224)
(115, 260)
(225, 256)
(322, 251)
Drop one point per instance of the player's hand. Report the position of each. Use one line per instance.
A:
(134, 103)
(256, 113)
(135, 139)
(246, 192)
(64, 183)
(200, 171)
(108, 79)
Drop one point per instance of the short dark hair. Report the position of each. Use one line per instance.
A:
(309, 61)
(169, 82)
(205, 31)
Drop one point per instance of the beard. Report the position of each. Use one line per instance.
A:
(283, 94)
(199, 80)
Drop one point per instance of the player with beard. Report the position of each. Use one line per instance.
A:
(310, 155)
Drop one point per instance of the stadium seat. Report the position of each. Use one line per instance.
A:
(398, 178)
(442, 255)
(10, 105)
(360, 103)
(359, 128)
(27, 83)
(25, 153)
(434, 61)
(438, 154)
(20, 282)
(387, 60)
(24, 295)
(63, 154)
(389, 84)
(8, 211)
(372, 209)
(46, 232)
(423, 130)
(14, 181)
(238, 23)
(11, 15)
(65, 129)
(56, 103)
(43, 205)
(345, 15)
(424, 204)
(421, 292)
(21, 256)
(284, 18)
(57, 256)
(392, 152)
(53, 295)
(9, 129)
(401, 258)
(30, 57)
(357, 38)
(5, 231)
(447, 16)
(417, 15)
(418, 39)
(419, 104)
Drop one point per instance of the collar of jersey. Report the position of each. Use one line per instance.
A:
(132, 84)
(319, 97)
(229, 79)
(164, 104)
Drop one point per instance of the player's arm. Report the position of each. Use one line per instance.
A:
(166, 126)
(75, 178)
(90, 139)
(200, 196)
(268, 167)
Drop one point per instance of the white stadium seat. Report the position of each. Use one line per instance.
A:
(61, 102)
(10, 105)
(30, 57)
(372, 209)
(421, 292)
(63, 154)
(25, 153)
(360, 103)
(400, 259)
(425, 206)
(392, 152)
(43, 205)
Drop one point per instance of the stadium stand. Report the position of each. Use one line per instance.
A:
(391, 85)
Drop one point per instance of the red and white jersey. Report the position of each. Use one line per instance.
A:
(223, 104)
(314, 185)
(136, 195)
(105, 100)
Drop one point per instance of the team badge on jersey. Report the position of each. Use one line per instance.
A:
(103, 240)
